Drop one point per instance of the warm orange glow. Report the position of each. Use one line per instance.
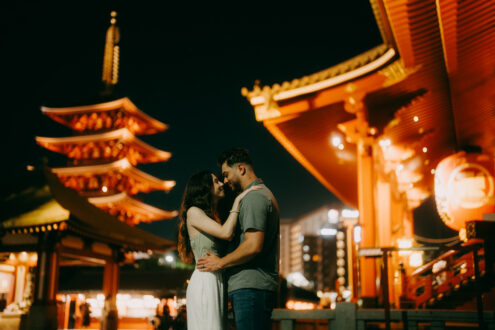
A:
(130, 210)
(23, 257)
(404, 243)
(116, 144)
(116, 176)
(299, 305)
(294, 151)
(33, 259)
(109, 115)
(336, 140)
(464, 188)
(385, 143)
(416, 259)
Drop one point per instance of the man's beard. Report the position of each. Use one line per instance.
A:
(236, 187)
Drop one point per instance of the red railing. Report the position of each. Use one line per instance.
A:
(445, 274)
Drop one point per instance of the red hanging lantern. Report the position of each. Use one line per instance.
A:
(464, 188)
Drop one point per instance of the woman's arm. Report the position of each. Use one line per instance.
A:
(199, 220)
(247, 250)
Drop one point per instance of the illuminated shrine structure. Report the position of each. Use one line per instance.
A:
(84, 213)
(104, 154)
(104, 150)
(373, 130)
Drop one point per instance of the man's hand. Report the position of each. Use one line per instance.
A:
(210, 263)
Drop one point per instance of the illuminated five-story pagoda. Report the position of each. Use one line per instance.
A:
(104, 151)
(83, 214)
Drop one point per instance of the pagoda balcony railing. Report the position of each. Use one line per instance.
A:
(348, 316)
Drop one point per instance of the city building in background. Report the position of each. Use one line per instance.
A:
(314, 252)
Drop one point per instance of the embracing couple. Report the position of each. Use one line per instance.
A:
(251, 266)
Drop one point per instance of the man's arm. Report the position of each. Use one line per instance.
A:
(247, 250)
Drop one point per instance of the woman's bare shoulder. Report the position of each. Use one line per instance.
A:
(194, 211)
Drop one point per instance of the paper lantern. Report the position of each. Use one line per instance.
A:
(464, 188)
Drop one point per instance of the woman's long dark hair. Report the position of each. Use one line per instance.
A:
(198, 193)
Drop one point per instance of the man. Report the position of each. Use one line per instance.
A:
(253, 265)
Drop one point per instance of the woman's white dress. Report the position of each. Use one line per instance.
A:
(205, 292)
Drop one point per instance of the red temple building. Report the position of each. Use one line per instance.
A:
(377, 129)
(84, 213)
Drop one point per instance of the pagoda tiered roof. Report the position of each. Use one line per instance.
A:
(117, 176)
(130, 210)
(116, 144)
(110, 115)
(104, 150)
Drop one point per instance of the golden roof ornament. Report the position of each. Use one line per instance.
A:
(110, 74)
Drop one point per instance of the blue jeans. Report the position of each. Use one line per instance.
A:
(253, 308)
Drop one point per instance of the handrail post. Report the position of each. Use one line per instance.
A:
(345, 317)
(286, 324)
(384, 283)
(479, 301)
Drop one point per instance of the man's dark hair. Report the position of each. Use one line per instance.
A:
(234, 156)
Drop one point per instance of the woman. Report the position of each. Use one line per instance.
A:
(199, 231)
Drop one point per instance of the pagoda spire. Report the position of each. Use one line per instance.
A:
(110, 74)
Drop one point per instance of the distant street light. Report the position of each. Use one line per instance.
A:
(328, 231)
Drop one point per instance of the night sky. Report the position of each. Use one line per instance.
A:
(183, 65)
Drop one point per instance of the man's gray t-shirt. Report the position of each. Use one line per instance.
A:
(258, 211)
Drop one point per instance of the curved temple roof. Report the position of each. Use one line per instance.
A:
(66, 210)
(114, 144)
(429, 90)
(130, 210)
(353, 68)
(141, 181)
(93, 117)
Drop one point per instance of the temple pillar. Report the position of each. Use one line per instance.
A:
(349, 225)
(20, 282)
(357, 131)
(109, 318)
(43, 312)
(383, 207)
(366, 220)
(383, 213)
